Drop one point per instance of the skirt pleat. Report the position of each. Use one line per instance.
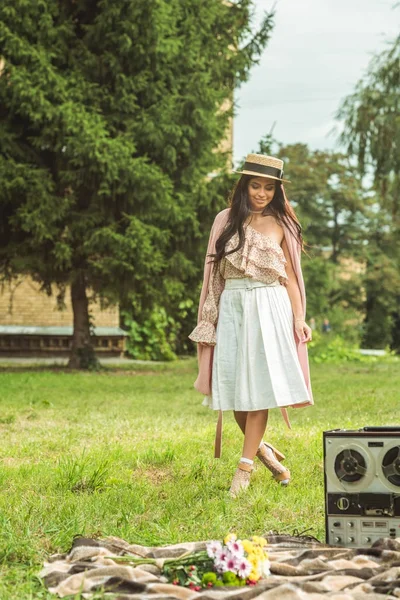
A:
(255, 362)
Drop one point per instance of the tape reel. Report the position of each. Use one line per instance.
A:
(389, 466)
(350, 466)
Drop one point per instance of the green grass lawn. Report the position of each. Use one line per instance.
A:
(130, 453)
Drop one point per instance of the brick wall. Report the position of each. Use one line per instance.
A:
(21, 303)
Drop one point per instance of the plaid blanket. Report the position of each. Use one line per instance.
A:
(301, 568)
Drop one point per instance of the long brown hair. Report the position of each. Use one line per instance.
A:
(279, 207)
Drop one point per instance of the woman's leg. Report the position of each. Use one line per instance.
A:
(240, 418)
(253, 424)
(256, 423)
(268, 455)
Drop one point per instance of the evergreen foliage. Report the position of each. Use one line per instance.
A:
(110, 117)
(371, 118)
(334, 210)
(327, 193)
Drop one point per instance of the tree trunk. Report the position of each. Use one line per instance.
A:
(82, 352)
(335, 239)
(378, 321)
(395, 345)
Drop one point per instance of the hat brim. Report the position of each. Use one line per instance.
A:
(261, 175)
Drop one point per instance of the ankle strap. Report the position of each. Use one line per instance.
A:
(245, 467)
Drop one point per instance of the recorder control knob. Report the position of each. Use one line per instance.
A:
(351, 539)
(350, 524)
(343, 503)
(367, 539)
(337, 538)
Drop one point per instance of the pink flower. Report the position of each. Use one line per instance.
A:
(226, 562)
(220, 559)
(231, 563)
(235, 547)
(213, 548)
(243, 568)
(219, 566)
(221, 555)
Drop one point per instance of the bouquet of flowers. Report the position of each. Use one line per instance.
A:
(231, 563)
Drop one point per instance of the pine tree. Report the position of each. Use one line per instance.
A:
(110, 114)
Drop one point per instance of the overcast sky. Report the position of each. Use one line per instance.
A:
(318, 51)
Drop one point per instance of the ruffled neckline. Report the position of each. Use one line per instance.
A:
(265, 236)
(260, 257)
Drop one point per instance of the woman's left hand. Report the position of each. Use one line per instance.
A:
(304, 332)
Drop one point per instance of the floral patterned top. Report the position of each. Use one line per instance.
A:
(260, 258)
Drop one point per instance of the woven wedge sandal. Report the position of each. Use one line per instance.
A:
(271, 458)
(241, 479)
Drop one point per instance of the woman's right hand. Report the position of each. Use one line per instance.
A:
(304, 332)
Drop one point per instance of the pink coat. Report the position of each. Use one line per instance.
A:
(205, 353)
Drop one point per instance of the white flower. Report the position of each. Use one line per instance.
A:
(265, 568)
(220, 560)
(244, 568)
(212, 548)
(225, 561)
(220, 566)
(235, 547)
(231, 563)
(221, 555)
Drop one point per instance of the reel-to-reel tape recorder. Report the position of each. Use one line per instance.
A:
(362, 485)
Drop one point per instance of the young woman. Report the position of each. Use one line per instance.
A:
(251, 331)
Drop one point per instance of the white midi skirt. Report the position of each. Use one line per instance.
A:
(255, 362)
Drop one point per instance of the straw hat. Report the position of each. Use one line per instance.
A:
(260, 165)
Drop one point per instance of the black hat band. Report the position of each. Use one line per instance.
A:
(263, 169)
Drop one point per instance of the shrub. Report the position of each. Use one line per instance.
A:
(154, 337)
(332, 348)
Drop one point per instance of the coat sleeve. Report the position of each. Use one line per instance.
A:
(205, 352)
(205, 330)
